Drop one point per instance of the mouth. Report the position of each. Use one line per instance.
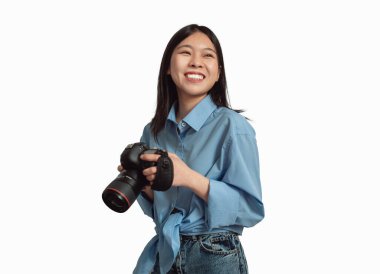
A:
(194, 76)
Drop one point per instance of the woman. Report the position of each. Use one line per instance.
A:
(216, 190)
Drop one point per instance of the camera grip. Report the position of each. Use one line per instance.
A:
(165, 173)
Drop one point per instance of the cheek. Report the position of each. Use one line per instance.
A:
(173, 72)
(214, 72)
(176, 64)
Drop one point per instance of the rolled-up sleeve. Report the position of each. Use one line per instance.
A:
(236, 199)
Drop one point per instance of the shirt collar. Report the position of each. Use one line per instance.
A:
(198, 115)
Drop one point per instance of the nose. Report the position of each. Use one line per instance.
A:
(196, 61)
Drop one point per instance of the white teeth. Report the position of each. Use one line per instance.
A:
(194, 76)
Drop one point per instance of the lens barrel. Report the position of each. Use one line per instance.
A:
(121, 193)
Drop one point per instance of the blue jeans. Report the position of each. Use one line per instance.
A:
(218, 253)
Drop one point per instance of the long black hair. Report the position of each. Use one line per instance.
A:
(166, 89)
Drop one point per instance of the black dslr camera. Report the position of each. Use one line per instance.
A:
(124, 190)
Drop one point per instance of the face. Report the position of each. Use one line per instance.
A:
(194, 66)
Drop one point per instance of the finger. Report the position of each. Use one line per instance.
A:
(150, 157)
(150, 171)
(151, 178)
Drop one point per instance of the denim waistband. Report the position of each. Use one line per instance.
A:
(201, 236)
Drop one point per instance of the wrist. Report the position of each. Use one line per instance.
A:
(199, 184)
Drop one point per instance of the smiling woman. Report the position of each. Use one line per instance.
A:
(216, 190)
(194, 69)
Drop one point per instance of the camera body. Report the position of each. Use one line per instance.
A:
(121, 193)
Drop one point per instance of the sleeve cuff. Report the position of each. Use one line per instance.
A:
(222, 206)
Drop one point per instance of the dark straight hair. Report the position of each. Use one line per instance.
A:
(166, 89)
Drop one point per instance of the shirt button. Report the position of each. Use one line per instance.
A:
(183, 124)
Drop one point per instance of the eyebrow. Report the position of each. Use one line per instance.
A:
(189, 46)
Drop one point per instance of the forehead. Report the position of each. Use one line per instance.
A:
(197, 40)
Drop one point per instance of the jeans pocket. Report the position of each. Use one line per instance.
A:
(219, 244)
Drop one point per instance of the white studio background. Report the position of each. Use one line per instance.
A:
(78, 83)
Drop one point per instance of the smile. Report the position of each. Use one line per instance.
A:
(194, 76)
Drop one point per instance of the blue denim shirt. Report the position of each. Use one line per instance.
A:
(219, 144)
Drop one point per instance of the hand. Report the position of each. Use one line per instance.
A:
(181, 170)
(183, 175)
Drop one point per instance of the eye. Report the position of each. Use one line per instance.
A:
(184, 52)
(209, 55)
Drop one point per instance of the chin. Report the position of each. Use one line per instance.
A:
(196, 91)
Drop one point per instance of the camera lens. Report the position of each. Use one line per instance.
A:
(123, 191)
(115, 200)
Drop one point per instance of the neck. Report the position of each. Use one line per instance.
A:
(186, 104)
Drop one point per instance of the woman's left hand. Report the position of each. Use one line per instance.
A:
(183, 175)
(181, 170)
